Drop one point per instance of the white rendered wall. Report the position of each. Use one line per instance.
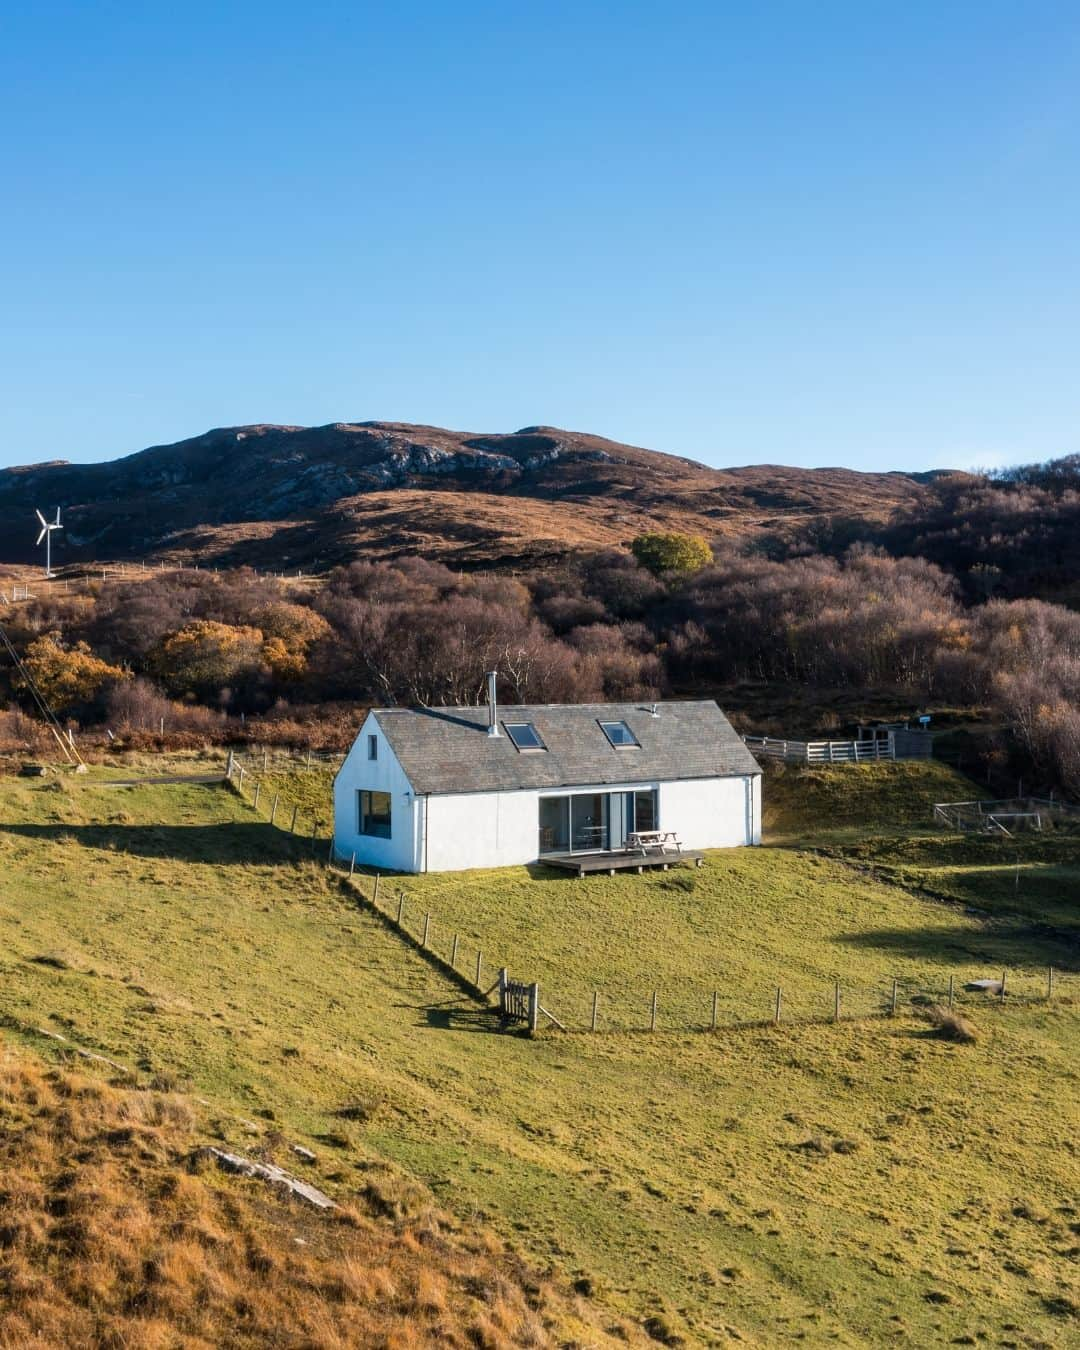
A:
(501, 829)
(713, 812)
(481, 829)
(398, 853)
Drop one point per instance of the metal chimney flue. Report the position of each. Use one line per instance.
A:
(493, 703)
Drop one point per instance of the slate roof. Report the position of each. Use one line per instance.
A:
(447, 750)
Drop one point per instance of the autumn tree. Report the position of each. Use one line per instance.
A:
(67, 677)
(204, 658)
(671, 554)
(288, 631)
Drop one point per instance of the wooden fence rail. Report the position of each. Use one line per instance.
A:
(900, 743)
(820, 752)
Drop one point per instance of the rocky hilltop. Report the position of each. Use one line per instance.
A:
(313, 496)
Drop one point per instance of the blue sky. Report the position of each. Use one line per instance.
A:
(808, 233)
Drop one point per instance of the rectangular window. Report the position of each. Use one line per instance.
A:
(524, 735)
(373, 747)
(374, 812)
(620, 735)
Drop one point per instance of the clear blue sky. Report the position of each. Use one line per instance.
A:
(811, 233)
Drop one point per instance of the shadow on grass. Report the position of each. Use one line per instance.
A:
(1017, 943)
(239, 842)
(459, 1015)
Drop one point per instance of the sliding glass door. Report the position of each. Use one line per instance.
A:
(588, 822)
(554, 824)
(581, 822)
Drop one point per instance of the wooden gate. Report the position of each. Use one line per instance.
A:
(519, 1002)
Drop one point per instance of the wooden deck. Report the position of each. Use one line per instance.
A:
(584, 864)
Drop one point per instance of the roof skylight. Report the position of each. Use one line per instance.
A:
(524, 735)
(620, 735)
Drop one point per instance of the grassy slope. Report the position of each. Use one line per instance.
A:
(117, 1232)
(683, 1174)
(802, 803)
(881, 816)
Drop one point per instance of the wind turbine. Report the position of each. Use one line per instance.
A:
(47, 527)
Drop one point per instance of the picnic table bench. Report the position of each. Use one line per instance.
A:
(657, 840)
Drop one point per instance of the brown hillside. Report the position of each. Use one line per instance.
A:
(314, 496)
(113, 1233)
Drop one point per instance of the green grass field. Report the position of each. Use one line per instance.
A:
(847, 1185)
(880, 817)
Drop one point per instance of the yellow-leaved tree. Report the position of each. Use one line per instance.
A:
(288, 631)
(68, 677)
(672, 553)
(206, 657)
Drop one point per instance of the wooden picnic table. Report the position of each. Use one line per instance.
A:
(653, 839)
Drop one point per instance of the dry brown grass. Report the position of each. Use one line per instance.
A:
(112, 1236)
(949, 1025)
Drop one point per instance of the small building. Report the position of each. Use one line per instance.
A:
(444, 789)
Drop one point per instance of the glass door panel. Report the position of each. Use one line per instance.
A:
(554, 824)
(588, 822)
(645, 814)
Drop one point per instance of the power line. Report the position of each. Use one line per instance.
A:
(42, 704)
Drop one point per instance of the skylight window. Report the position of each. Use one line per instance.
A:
(620, 735)
(524, 735)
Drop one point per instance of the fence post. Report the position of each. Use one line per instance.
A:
(836, 1002)
(230, 764)
(375, 893)
(292, 827)
(427, 928)
(1049, 981)
(892, 1008)
(713, 1023)
(652, 1016)
(258, 789)
(1002, 987)
(453, 953)
(595, 1002)
(502, 989)
(479, 966)
(779, 1002)
(951, 981)
(241, 783)
(273, 808)
(401, 909)
(266, 758)
(352, 864)
(534, 1006)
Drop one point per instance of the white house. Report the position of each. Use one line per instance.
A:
(443, 789)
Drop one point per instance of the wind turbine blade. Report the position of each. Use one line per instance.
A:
(58, 525)
(42, 535)
(44, 522)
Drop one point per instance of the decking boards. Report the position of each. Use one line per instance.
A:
(585, 864)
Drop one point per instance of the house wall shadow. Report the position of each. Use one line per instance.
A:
(1014, 943)
(228, 842)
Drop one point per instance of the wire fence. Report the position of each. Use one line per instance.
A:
(257, 759)
(79, 578)
(278, 807)
(796, 997)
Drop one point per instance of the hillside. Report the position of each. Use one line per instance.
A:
(118, 1229)
(831, 1184)
(275, 496)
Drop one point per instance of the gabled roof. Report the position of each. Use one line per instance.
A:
(446, 750)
